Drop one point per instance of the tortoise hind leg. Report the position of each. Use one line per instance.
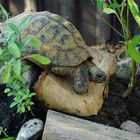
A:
(79, 73)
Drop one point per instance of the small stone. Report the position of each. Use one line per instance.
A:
(131, 127)
(32, 74)
(123, 70)
(32, 129)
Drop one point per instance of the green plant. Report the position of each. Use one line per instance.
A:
(122, 11)
(6, 137)
(11, 57)
(3, 14)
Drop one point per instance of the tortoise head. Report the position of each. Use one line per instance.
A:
(97, 75)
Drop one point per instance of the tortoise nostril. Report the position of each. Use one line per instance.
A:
(101, 76)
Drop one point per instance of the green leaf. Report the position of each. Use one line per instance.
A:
(17, 67)
(3, 58)
(4, 11)
(105, 5)
(25, 42)
(1, 51)
(132, 48)
(22, 79)
(36, 42)
(41, 59)
(13, 104)
(134, 10)
(11, 79)
(32, 94)
(24, 96)
(10, 94)
(7, 90)
(13, 27)
(99, 3)
(30, 40)
(114, 5)
(24, 23)
(7, 30)
(6, 74)
(13, 49)
(9, 138)
(25, 68)
(31, 103)
(22, 109)
(29, 108)
(17, 87)
(108, 11)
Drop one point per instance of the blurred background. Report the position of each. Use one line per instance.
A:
(84, 14)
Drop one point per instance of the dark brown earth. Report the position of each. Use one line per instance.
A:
(114, 111)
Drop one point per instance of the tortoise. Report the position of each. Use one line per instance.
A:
(63, 45)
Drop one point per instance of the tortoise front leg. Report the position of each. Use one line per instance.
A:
(79, 73)
(81, 79)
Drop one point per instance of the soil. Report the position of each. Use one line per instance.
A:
(115, 109)
(11, 121)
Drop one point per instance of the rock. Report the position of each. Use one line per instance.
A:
(123, 70)
(131, 127)
(32, 129)
(32, 74)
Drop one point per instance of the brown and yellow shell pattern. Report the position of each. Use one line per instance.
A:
(61, 41)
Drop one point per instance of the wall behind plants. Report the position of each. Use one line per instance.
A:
(82, 13)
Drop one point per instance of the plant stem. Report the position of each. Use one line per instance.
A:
(133, 81)
(127, 34)
(112, 27)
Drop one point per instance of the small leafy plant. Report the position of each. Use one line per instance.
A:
(12, 69)
(122, 11)
(6, 137)
(3, 14)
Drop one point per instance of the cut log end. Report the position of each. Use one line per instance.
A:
(57, 92)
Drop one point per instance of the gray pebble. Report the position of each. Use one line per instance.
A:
(32, 74)
(131, 127)
(123, 70)
(32, 129)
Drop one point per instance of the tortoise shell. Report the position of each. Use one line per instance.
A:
(61, 41)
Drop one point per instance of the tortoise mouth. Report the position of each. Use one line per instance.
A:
(100, 77)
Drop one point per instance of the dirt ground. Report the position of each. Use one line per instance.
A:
(115, 109)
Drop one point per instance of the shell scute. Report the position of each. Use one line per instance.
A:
(61, 41)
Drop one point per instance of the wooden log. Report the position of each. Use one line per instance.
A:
(30, 5)
(15, 6)
(64, 127)
(57, 92)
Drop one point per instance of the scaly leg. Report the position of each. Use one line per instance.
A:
(80, 74)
